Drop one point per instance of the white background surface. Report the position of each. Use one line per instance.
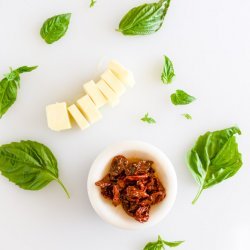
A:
(209, 43)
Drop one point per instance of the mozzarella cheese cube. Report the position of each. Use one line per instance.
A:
(126, 76)
(58, 117)
(94, 93)
(89, 109)
(78, 117)
(109, 94)
(113, 82)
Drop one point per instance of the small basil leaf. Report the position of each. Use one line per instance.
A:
(180, 97)
(9, 86)
(148, 119)
(187, 116)
(144, 19)
(173, 244)
(29, 164)
(92, 3)
(214, 158)
(168, 71)
(55, 27)
(8, 94)
(24, 69)
(154, 246)
(159, 244)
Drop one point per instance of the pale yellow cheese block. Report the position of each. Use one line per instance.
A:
(109, 94)
(126, 76)
(58, 117)
(78, 117)
(95, 94)
(89, 109)
(113, 82)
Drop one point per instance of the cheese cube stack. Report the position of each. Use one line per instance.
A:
(86, 110)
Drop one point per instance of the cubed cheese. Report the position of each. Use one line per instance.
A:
(89, 109)
(109, 94)
(78, 117)
(113, 82)
(126, 76)
(95, 94)
(58, 117)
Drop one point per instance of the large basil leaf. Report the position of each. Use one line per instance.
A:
(168, 71)
(29, 164)
(180, 97)
(144, 19)
(9, 86)
(55, 27)
(160, 243)
(214, 158)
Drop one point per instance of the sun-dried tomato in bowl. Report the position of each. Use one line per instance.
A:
(133, 185)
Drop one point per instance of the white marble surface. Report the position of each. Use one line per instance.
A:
(208, 42)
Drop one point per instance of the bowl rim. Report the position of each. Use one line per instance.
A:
(131, 145)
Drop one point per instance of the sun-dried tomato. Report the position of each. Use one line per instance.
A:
(142, 214)
(138, 168)
(116, 195)
(134, 185)
(118, 166)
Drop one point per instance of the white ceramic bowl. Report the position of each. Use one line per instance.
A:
(132, 149)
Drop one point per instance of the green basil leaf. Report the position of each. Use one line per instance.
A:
(55, 27)
(168, 71)
(148, 119)
(173, 244)
(9, 86)
(144, 19)
(24, 69)
(214, 158)
(180, 97)
(29, 164)
(187, 116)
(154, 246)
(92, 3)
(159, 244)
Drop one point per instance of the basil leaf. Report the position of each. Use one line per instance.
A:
(159, 244)
(180, 97)
(24, 69)
(168, 71)
(148, 119)
(55, 28)
(144, 19)
(9, 86)
(92, 3)
(187, 116)
(29, 164)
(154, 246)
(214, 158)
(173, 244)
